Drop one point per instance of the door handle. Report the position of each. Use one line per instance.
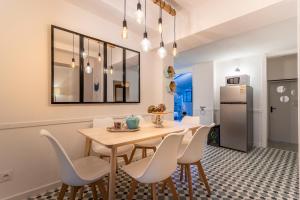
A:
(273, 108)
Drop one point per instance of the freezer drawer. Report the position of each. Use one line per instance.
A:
(233, 132)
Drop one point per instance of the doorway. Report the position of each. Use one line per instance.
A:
(183, 97)
(283, 116)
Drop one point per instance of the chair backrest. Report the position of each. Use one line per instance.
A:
(68, 174)
(191, 120)
(103, 122)
(164, 161)
(194, 150)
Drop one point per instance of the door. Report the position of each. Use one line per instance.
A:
(233, 126)
(283, 105)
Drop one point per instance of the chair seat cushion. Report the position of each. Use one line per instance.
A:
(136, 169)
(91, 168)
(103, 150)
(149, 143)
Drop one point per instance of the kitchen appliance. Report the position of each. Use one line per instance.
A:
(236, 117)
(242, 79)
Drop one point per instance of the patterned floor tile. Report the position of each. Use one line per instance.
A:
(264, 173)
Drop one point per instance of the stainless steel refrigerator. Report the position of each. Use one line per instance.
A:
(236, 117)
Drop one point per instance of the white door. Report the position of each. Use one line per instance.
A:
(283, 105)
(203, 92)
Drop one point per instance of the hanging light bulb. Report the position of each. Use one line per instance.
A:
(160, 28)
(88, 69)
(73, 59)
(125, 31)
(162, 51)
(73, 63)
(174, 43)
(174, 49)
(99, 54)
(146, 45)
(111, 70)
(84, 54)
(139, 13)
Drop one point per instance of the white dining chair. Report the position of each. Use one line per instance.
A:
(84, 171)
(156, 168)
(194, 120)
(145, 145)
(190, 153)
(102, 150)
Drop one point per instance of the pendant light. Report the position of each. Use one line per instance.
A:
(145, 42)
(125, 31)
(88, 68)
(160, 28)
(162, 51)
(99, 54)
(111, 70)
(139, 12)
(73, 59)
(174, 43)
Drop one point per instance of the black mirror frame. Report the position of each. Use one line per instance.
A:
(81, 71)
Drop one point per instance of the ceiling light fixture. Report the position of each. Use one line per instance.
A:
(73, 59)
(139, 12)
(88, 68)
(146, 45)
(125, 31)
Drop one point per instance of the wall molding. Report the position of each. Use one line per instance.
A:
(30, 124)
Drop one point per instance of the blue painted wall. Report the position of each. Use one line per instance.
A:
(183, 98)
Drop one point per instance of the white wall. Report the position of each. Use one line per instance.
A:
(282, 67)
(255, 67)
(25, 89)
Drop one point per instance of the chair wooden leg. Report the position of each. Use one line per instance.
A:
(202, 174)
(181, 172)
(153, 191)
(74, 191)
(185, 174)
(169, 181)
(163, 187)
(132, 154)
(62, 191)
(94, 191)
(144, 153)
(132, 189)
(188, 171)
(154, 149)
(81, 193)
(102, 189)
(125, 157)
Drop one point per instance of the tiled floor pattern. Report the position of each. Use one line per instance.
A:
(261, 174)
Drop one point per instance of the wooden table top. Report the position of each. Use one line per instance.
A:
(146, 132)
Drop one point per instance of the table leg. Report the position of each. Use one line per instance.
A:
(112, 175)
(87, 148)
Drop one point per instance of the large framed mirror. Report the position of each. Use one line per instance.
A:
(89, 70)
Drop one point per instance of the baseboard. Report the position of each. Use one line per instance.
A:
(34, 191)
(44, 188)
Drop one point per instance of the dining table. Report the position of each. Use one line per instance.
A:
(113, 140)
